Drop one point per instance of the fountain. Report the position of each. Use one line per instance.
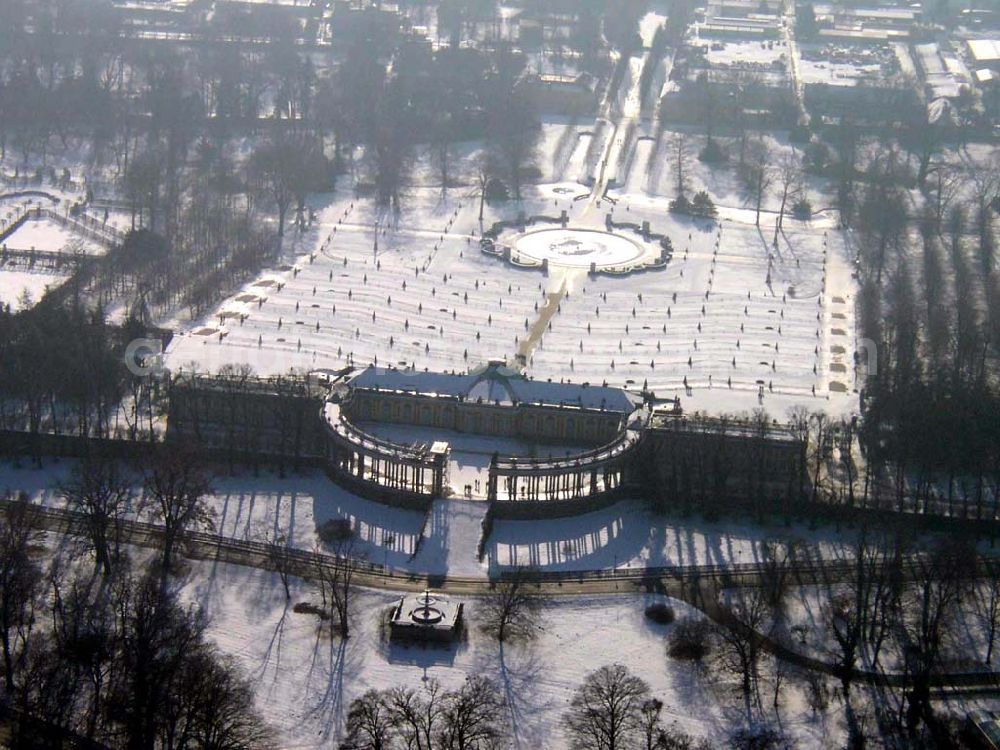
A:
(425, 617)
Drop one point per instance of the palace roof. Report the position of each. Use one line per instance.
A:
(496, 383)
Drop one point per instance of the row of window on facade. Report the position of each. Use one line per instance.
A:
(511, 421)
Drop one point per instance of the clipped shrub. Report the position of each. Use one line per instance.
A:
(306, 608)
(335, 530)
(713, 153)
(660, 613)
(690, 640)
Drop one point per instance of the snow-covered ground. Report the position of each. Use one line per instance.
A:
(16, 281)
(304, 681)
(624, 535)
(804, 623)
(23, 283)
(778, 316)
(47, 235)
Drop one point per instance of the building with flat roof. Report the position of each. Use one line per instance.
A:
(985, 53)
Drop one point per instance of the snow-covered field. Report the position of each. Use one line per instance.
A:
(16, 281)
(305, 681)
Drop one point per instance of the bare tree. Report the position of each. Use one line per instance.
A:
(845, 432)
(371, 723)
(281, 558)
(389, 145)
(987, 603)
(285, 170)
(514, 135)
(513, 607)
(218, 704)
(143, 184)
(819, 448)
(470, 718)
(928, 608)
(778, 558)
(176, 486)
(442, 136)
(789, 177)
(418, 716)
(653, 736)
(482, 183)
(946, 188)
(681, 158)
(153, 636)
(864, 598)
(100, 491)
(606, 711)
(335, 572)
(758, 175)
(473, 716)
(20, 584)
(740, 641)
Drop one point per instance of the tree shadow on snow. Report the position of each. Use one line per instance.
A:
(518, 671)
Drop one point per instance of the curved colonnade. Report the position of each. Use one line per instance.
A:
(395, 472)
(381, 467)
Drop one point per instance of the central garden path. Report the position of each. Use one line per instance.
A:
(541, 324)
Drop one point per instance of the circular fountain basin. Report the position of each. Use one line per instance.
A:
(426, 615)
(576, 248)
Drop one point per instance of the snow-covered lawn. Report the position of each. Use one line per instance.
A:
(805, 625)
(304, 681)
(16, 280)
(48, 235)
(626, 534)
(745, 315)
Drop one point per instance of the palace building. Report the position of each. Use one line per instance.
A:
(602, 442)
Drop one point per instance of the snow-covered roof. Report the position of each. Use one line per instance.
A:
(496, 383)
(985, 50)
